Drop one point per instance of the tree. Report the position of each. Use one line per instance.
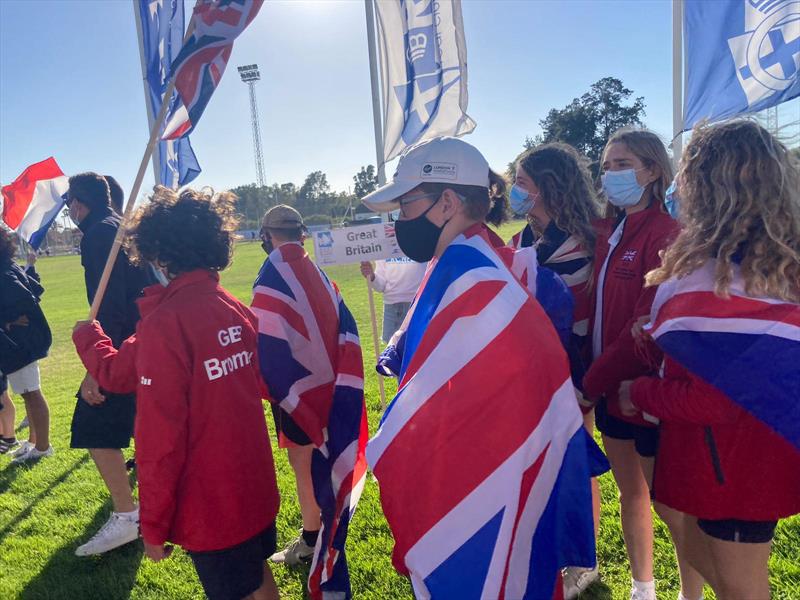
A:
(366, 181)
(587, 122)
(315, 187)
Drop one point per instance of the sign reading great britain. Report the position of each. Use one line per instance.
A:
(354, 244)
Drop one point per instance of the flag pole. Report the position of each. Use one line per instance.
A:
(148, 105)
(677, 81)
(155, 131)
(379, 159)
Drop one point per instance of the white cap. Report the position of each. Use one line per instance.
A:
(438, 160)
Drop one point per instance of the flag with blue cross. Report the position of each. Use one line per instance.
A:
(742, 56)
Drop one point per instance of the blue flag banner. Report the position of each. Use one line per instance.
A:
(162, 38)
(423, 57)
(742, 56)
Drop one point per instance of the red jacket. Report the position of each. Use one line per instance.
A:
(714, 460)
(619, 298)
(203, 457)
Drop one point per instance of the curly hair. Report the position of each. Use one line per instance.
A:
(740, 202)
(183, 231)
(650, 149)
(8, 246)
(565, 188)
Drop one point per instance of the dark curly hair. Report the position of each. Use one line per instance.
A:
(8, 247)
(193, 229)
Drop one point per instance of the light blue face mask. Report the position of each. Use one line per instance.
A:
(159, 275)
(520, 200)
(672, 200)
(621, 188)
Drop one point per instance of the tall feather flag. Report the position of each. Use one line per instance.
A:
(33, 200)
(201, 62)
(161, 32)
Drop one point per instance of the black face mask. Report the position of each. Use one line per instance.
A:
(266, 245)
(418, 237)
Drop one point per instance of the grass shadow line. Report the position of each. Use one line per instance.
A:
(25, 512)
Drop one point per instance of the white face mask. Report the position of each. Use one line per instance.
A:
(160, 276)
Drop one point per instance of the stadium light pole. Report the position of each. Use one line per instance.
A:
(249, 75)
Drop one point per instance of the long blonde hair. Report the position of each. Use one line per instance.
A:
(739, 191)
(648, 148)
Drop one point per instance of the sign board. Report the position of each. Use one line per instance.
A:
(354, 244)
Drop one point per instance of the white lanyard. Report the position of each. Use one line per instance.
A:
(597, 331)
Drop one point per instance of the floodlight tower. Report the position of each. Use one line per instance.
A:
(250, 74)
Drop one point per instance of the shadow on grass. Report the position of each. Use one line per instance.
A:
(597, 591)
(110, 576)
(10, 473)
(298, 574)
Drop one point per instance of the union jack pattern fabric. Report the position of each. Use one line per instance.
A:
(199, 66)
(481, 456)
(748, 347)
(310, 357)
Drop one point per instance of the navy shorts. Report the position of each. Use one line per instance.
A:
(236, 572)
(284, 424)
(107, 425)
(734, 530)
(645, 439)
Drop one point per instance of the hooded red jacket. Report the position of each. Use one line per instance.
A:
(714, 460)
(203, 457)
(619, 298)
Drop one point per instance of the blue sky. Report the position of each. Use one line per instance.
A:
(70, 83)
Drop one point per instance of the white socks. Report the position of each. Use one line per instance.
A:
(644, 589)
(131, 516)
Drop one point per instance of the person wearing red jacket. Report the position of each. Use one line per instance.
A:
(193, 364)
(637, 172)
(736, 261)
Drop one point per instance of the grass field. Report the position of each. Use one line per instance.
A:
(49, 509)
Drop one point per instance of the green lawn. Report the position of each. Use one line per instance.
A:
(46, 511)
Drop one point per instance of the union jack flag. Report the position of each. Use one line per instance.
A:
(481, 456)
(747, 347)
(199, 66)
(311, 361)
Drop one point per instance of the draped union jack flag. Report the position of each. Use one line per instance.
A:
(310, 357)
(481, 457)
(748, 347)
(199, 66)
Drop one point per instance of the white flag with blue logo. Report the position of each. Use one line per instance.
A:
(742, 56)
(423, 72)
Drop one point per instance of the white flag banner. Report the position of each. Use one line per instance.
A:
(423, 71)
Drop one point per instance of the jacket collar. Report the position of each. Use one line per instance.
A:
(94, 217)
(156, 294)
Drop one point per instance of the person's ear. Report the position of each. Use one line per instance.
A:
(450, 203)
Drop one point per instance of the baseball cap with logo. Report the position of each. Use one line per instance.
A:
(438, 160)
(282, 217)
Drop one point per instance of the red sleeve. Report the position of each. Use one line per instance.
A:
(686, 399)
(162, 413)
(114, 370)
(621, 361)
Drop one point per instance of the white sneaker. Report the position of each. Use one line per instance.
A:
(24, 448)
(117, 531)
(637, 594)
(32, 455)
(577, 579)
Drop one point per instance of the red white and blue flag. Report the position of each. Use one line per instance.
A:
(33, 201)
(481, 456)
(747, 347)
(199, 66)
(310, 357)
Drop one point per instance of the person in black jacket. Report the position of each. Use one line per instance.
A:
(103, 422)
(24, 339)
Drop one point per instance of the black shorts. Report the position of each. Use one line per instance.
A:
(734, 530)
(284, 424)
(645, 439)
(107, 425)
(235, 572)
